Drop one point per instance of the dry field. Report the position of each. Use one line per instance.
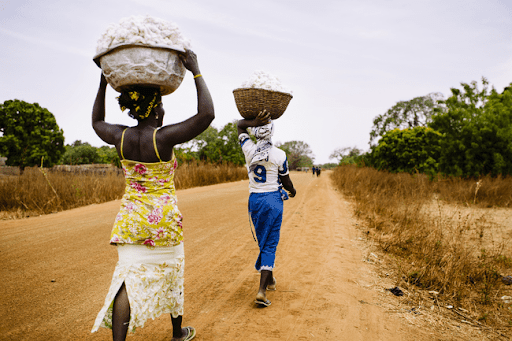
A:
(41, 191)
(448, 241)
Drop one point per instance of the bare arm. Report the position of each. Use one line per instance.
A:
(110, 133)
(287, 184)
(262, 119)
(185, 131)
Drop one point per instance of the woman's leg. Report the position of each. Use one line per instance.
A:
(268, 254)
(120, 315)
(265, 280)
(268, 244)
(176, 327)
(178, 333)
(266, 211)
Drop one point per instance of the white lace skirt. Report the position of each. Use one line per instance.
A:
(154, 283)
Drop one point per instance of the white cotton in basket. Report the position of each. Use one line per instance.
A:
(264, 80)
(145, 30)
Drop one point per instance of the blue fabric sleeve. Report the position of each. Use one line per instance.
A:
(283, 170)
(242, 139)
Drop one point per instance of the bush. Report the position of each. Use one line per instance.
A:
(408, 150)
(477, 132)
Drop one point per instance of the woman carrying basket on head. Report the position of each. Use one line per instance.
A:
(267, 166)
(148, 278)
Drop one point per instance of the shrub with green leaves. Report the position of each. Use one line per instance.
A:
(29, 134)
(477, 132)
(408, 150)
(82, 153)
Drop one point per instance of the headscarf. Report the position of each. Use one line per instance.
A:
(263, 136)
(140, 102)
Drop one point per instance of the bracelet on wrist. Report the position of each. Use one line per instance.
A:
(198, 75)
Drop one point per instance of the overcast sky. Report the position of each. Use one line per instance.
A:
(345, 61)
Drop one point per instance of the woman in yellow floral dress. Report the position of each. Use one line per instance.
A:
(148, 278)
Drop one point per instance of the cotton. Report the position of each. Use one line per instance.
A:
(264, 80)
(144, 30)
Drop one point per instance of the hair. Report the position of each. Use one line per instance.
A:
(140, 101)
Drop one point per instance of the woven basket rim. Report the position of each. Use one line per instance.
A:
(279, 92)
(97, 57)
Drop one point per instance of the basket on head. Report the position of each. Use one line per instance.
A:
(128, 65)
(250, 101)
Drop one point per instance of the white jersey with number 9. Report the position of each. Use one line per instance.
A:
(264, 174)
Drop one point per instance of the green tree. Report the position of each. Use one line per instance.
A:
(299, 154)
(109, 155)
(416, 112)
(346, 155)
(29, 133)
(230, 148)
(214, 146)
(208, 145)
(329, 165)
(81, 153)
(184, 154)
(408, 150)
(477, 131)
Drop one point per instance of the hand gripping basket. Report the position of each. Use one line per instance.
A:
(250, 101)
(128, 65)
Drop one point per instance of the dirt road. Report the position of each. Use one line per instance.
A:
(56, 270)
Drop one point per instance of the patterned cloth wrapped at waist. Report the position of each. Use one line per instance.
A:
(149, 212)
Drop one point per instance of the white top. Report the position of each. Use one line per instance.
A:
(264, 174)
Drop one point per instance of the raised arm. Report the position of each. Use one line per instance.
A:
(262, 119)
(110, 133)
(185, 131)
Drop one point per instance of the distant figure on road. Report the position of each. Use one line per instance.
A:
(314, 170)
(148, 278)
(267, 166)
(318, 170)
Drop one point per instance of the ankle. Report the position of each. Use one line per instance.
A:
(178, 334)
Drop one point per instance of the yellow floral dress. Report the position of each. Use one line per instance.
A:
(149, 213)
(149, 238)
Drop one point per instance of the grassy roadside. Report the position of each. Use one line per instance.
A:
(41, 191)
(440, 235)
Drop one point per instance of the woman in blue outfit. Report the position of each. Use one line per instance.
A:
(267, 166)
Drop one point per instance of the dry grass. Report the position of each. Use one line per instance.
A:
(437, 244)
(200, 173)
(41, 191)
(485, 192)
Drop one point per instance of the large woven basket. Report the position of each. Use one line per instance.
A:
(128, 65)
(250, 101)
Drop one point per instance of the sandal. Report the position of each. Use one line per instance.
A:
(191, 333)
(262, 300)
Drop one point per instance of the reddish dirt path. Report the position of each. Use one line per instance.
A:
(56, 270)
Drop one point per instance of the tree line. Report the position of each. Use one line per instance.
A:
(467, 135)
(29, 135)
(221, 146)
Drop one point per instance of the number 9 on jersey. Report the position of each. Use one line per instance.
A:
(260, 174)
